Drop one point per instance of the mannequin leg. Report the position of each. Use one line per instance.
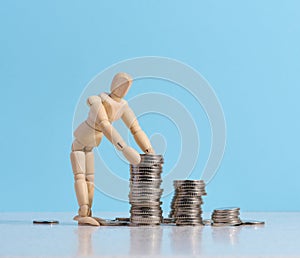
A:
(78, 160)
(90, 171)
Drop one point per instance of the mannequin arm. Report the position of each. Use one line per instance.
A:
(139, 135)
(112, 134)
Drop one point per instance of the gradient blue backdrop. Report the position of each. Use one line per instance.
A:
(248, 50)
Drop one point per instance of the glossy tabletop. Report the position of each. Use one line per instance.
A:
(279, 237)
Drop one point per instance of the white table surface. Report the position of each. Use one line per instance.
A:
(279, 237)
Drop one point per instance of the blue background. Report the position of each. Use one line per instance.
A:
(247, 50)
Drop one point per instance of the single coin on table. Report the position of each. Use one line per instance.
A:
(45, 222)
(252, 222)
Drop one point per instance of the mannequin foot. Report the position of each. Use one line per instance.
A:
(87, 221)
(76, 217)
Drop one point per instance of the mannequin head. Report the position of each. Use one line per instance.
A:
(120, 85)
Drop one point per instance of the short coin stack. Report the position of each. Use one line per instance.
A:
(145, 191)
(187, 201)
(226, 217)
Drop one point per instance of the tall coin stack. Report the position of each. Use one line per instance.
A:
(187, 201)
(226, 217)
(145, 191)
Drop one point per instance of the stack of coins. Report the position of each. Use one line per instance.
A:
(145, 191)
(187, 201)
(226, 217)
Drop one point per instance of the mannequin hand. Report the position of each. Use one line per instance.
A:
(132, 155)
(150, 151)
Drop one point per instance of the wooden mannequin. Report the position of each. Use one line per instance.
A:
(104, 109)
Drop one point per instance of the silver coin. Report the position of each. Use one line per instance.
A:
(141, 208)
(236, 221)
(168, 220)
(232, 214)
(225, 209)
(146, 216)
(152, 182)
(186, 181)
(187, 206)
(181, 186)
(225, 219)
(187, 216)
(148, 162)
(197, 195)
(187, 211)
(45, 222)
(148, 156)
(189, 190)
(147, 204)
(144, 224)
(142, 215)
(183, 216)
(144, 207)
(150, 166)
(227, 212)
(189, 223)
(142, 174)
(226, 224)
(149, 222)
(122, 219)
(252, 222)
(156, 172)
(185, 224)
(207, 222)
(139, 176)
(143, 200)
(144, 171)
(224, 216)
(141, 187)
(145, 186)
(149, 211)
(144, 196)
(144, 189)
(186, 201)
(144, 178)
(191, 186)
(113, 223)
(188, 196)
(189, 220)
(147, 181)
